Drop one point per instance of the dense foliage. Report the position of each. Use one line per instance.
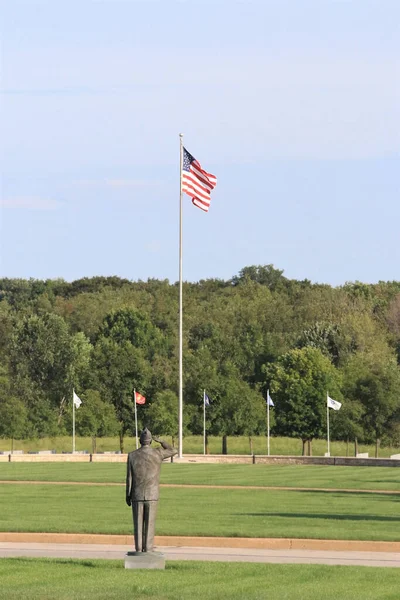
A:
(106, 336)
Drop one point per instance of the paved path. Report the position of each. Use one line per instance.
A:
(176, 541)
(117, 552)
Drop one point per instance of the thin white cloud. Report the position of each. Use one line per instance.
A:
(118, 183)
(124, 183)
(154, 246)
(29, 202)
(248, 106)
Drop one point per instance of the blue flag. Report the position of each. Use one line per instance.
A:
(207, 400)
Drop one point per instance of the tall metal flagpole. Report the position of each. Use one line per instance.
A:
(73, 422)
(204, 422)
(134, 399)
(268, 421)
(180, 301)
(327, 423)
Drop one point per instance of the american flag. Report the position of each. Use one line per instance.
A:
(196, 182)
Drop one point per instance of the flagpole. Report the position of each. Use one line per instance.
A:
(136, 433)
(180, 301)
(327, 423)
(73, 422)
(268, 421)
(204, 422)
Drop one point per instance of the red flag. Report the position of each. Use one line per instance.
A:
(196, 182)
(139, 398)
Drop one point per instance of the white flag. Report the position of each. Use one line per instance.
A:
(269, 400)
(76, 400)
(334, 404)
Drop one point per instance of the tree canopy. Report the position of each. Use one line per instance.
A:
(106, 336)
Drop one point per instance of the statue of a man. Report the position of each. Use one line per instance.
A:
(142, 483)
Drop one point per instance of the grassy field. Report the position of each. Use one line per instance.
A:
(45, 579)
(194, 445)
(303, 476)
(204, 512)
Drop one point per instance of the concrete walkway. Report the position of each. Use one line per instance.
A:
(117, 552)
(176, 541)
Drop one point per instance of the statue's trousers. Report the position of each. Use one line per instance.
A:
(144, 520)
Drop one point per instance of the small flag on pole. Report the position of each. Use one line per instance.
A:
(139, 398)
(196, 182)
(334, 404)
(207, 400)
(76, 400)
(269, 400)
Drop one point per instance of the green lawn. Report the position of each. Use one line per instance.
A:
(45, 579)
(194, 445)
(319, 476)
(204, 512)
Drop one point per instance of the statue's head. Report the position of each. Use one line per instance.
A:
(145, 437)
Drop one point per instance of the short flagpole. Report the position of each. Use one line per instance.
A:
(268, 422)
(204, 422)
(73, 421)
(327, 423)
(136, 432)
(180, 419)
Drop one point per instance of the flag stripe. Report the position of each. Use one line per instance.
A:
(211, 179)
(203, 177)
(190, 186)
(201, 204)
(193, 179)
(196, 182)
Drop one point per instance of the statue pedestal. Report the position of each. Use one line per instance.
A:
(144, 560)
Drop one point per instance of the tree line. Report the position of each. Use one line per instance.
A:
(106, 336)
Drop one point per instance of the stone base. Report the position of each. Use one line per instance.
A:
(144, 560)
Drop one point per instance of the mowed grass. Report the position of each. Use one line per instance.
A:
(45, 579)
(194, 445)
(303, 476)
(204, 512)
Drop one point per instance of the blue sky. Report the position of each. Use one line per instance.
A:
(293, 104)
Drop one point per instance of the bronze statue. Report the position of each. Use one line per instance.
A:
(142, 485)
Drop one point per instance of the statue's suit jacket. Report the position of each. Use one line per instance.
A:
(143, 472)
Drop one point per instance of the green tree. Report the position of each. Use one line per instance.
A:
(324, 337)
(13, 418)
(393, 322)
(118, 369)
(299, 382)
(162, 415)
(263, 274)
(347, 423)
(374, 380)
(95, 417)
(127, 347)
(237, 408)
(6, 327)
(127, 325)
(47, 358)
